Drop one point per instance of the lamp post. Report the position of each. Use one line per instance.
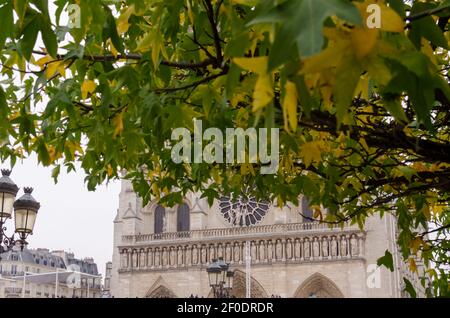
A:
(220, 278)
(25, 212)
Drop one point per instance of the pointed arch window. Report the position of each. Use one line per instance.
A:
(183, 218)
(160, 219)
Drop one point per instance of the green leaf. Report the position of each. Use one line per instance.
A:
(302, 23)
(409, 288)
(110, 31)
(312, 15)
(347, 78)
(21, 7)
(387, 261)
(42, 5)
(48, 36)
(394, 107)
(6, 13)
(55, 173)
(3, 103)
(426, 27)
(30, 33)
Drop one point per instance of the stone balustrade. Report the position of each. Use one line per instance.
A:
(279, 243)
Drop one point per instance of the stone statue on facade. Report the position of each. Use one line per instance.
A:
(354, 246)
(135, 259)
(194, 255)
(262, 251)
(307, 249)
(188, 250)
(164, 256)
(253, 252)
(279, 250)
(228, 256)
(237, 253)
(149, 258)
(269, 251)
(325, 247)
(180, 256)
(297, 249)
(142, 258)
(343, 246)
(203, 256)
(157, 258)
(172, 257)
(288, 249)
(334, 247)
(316, 249)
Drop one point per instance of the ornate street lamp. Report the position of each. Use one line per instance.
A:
(224, 268)
(219, 278)
(229, 282)
(25, 212)
(214, 272)
(8, 192)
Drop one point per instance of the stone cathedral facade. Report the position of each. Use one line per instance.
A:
(164, 252)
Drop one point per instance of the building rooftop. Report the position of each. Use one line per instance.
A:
(56, 259)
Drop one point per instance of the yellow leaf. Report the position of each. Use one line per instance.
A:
(247, 168)
(428, 50)
(263, 93)
(416, 244)
(110, 170)
(190, 13)
(438, 209)
(74, 147)
(363, 143)
(363, 41)
(256, 65)
(390, 20)
(363, 87)
(432, 273)
(251, 3)
(290, 104)
(53, 154)
(88, 87)
(43, 61)
(153, 41)
(118, 124)
(112, 48)
(54, 68)
(330, 57)
(310, 152)
(317, 213)
(122, 21)
(412, 265)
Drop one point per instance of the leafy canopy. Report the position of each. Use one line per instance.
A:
(364, 113)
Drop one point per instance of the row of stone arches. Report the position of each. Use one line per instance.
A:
(316, 286)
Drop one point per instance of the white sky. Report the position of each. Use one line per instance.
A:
(71, 218)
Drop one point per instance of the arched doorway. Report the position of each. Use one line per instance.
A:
(318, 286)
(159, 289)
(161, 292)
(239, 287)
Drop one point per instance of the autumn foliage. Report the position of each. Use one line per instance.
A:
(364, 112)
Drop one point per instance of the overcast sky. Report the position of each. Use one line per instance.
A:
(71, 218)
